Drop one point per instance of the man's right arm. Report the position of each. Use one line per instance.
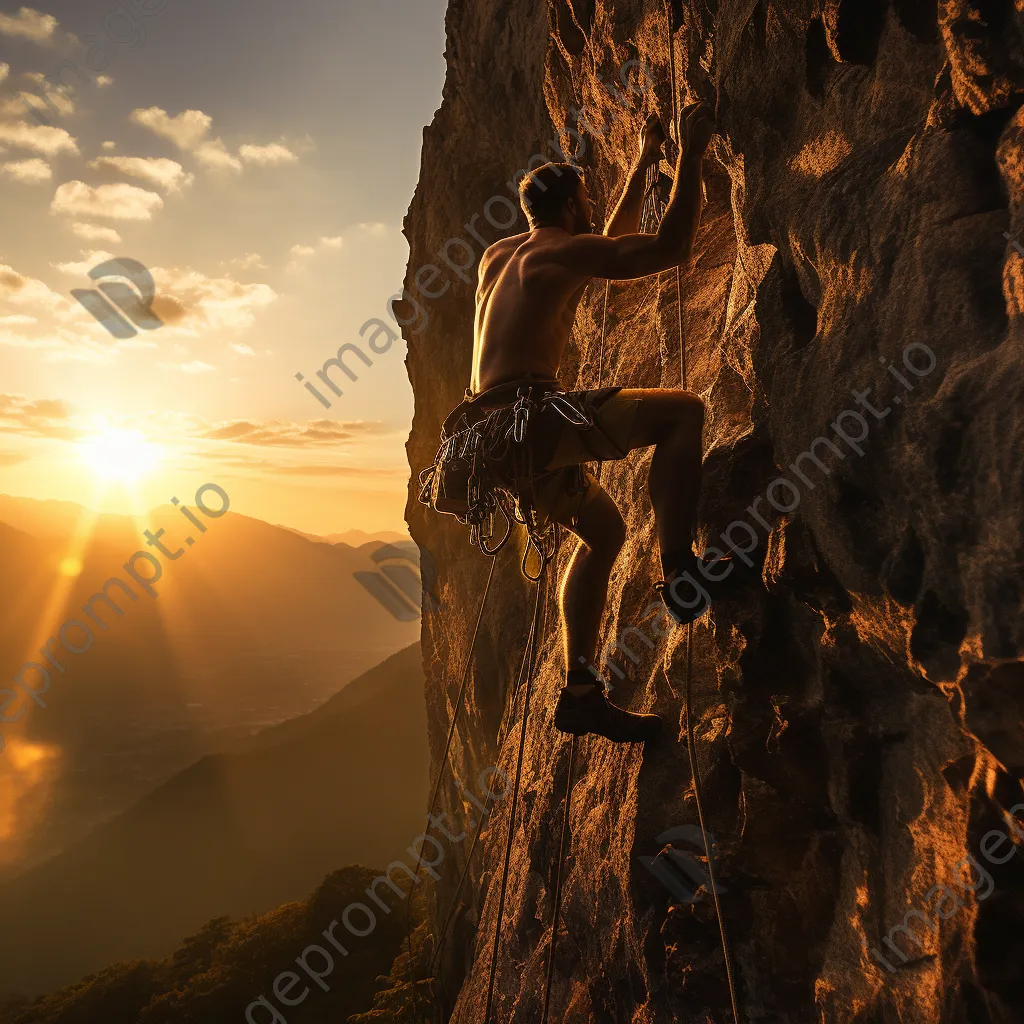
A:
(631, 256)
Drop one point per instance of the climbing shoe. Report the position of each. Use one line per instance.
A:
(594, 713)
(692, 591)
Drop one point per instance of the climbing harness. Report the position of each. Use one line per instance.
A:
(485, 464)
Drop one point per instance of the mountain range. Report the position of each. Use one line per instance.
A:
(252, 625)
(235, 833)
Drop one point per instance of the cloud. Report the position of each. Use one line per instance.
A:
(190, 131)
(302, 250)
(196, 366)
(281, 433)
(29, 172)
(159, 171)
(91, 257)
(29, 24)
(108, 145)
(186, 130)
(34, 317)
(214, 154)
(102, 81)
(116, 202)
(49, 91)
(250, 261)
(334, 242)
(242, 350)
(5, 70)
(42, 418)
(21, 290)
(272, 155)
(373, 227)
(95, 233)
(194, 301)
(37, 138)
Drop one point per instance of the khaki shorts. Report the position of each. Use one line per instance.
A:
(563, 487)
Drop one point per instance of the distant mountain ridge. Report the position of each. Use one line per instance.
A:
(252, 625)
(353, 538)
(233, 834)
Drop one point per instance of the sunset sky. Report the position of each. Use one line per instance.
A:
(258, 158)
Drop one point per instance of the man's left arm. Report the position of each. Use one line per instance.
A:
(625, 219)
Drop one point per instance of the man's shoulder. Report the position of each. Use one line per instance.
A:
(504, 245)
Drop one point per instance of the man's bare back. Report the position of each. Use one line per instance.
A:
(525, 308)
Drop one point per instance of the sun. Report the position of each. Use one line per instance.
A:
(121, 455)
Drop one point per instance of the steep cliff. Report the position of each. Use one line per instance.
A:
(859, 717)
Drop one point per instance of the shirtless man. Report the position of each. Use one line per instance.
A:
(530, 286)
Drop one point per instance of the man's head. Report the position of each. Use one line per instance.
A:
(555, 195)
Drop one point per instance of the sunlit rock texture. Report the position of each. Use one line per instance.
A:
(858, 717)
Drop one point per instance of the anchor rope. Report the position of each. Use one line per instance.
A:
(691, 743)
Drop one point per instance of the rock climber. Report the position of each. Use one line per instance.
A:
(529, 288)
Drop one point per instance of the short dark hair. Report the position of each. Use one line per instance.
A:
(544, 191)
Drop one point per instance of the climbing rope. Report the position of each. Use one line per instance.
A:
(440, 773)
(690, 739)
(558, 880)
(525, 666)
(510, 835)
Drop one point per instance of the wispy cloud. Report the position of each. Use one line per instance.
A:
(116, 202)
(159, 171)
(29, 24)
(272, 155)
(42, 418)
(186, 130)
(95, 233)
(196, 366)
(281, 433)
(36, 138)
(190, 132)
(33, 171)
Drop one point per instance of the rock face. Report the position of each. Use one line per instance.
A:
(858, 718)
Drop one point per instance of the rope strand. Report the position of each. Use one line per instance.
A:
(690, 739)
(437, 783)
(511, 830)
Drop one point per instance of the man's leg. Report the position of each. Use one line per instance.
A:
(673, 422)
(585, 587)
(583, 705)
